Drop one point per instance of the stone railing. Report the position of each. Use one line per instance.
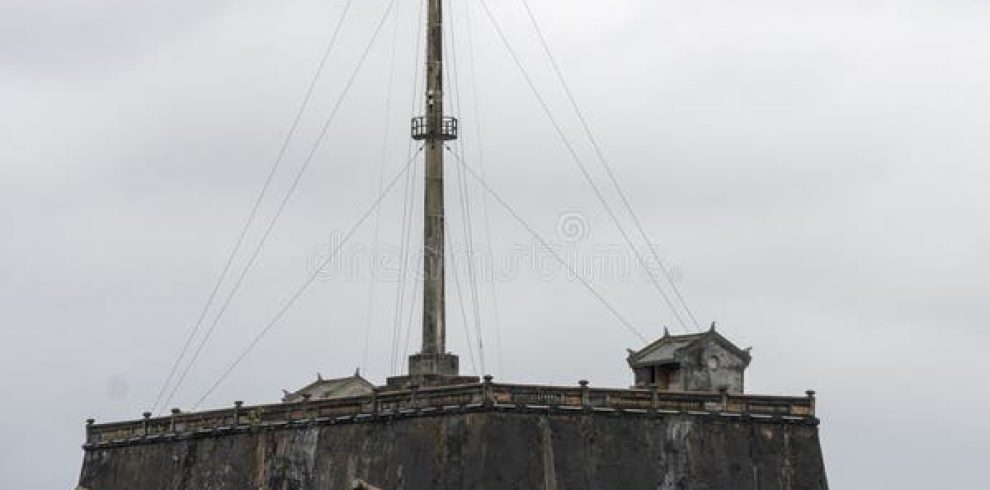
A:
(485, 395)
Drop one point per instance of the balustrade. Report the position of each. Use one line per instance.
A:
(485, 395)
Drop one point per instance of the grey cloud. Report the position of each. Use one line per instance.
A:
(814, 173)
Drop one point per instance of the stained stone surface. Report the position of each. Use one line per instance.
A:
(480, 450)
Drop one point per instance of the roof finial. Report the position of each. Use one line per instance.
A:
(713, 327)
(666, 331)
(357, 372)
(319, 377)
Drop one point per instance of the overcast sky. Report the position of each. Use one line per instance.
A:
(813, 173)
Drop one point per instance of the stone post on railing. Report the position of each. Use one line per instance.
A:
(89, 430)
(237, 414)
(144, 423)
(487, 397)
(171, 420)
(724, 393)
(654, 397)
(305, 405)
(585, 395)
(811, 401)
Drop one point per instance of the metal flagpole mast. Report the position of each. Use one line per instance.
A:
(434, 129)
(434, 331)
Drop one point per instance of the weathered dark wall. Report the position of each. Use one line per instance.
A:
(480, 450)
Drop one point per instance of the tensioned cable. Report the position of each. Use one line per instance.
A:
(584, 171)
(309, 282)
(285, 201)
(412, 306)
(257, 202)
(466, 215)
(574, 273)
(460, 302)
(407, 250)
(606, 165)
(373, 255)
(481, 170)
(407, 206)
(400, 288)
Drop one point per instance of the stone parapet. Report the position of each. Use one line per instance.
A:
(481, 396)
